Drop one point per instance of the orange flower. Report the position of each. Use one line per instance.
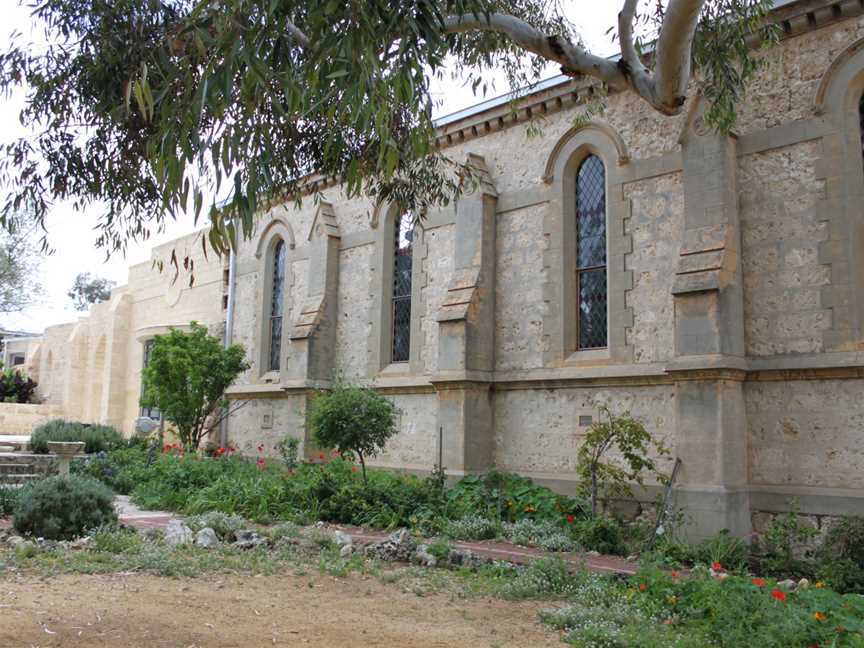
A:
(758, 582)
(819, 585)
(716, 566)
(778, 594)
(642, 587)
(353, 468)
(820, 616)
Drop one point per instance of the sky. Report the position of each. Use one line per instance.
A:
(72, 235)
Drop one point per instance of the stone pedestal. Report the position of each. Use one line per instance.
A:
(65, 451)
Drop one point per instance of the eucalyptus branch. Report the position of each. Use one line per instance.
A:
(674, 50)
(575, 60)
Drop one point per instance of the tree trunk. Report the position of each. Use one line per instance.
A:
(363, 468)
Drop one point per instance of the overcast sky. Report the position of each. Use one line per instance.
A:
(72, 234)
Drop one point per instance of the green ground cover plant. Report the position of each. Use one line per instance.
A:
(97, 438)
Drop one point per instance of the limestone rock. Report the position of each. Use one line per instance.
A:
(341, 538)
(151, 534)
(177, 533)
(424, 557)
(248, 539)
(787, 584)
(14, 541)
(346, 550)
(80, 543)
(206, 538)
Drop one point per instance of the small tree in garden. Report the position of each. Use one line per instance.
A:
(354, 420)
(186, 378)
(631, 441)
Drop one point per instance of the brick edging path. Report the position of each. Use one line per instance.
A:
(132, 516)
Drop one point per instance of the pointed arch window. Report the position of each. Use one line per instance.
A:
(402, 270)
(591, 282)
(861, 122)
(276, 305)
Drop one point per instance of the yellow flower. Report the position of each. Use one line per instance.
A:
(530, 509)
(819, 585)
(672, 600)
(820, 616)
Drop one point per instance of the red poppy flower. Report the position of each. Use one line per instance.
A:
(353, 468)
(778, 594)
(675, 574)
(570, 519)
(716, 566)
(220, 450)
(642, 587)
(321, 456)
(758, 582)
(261, 463)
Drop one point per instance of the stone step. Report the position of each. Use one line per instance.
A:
(16, 468)
(18, 480)
(14, 442)
(41, 460)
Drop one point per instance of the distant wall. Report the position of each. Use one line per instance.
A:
(21, 419)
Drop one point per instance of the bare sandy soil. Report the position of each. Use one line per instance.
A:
(119, 611)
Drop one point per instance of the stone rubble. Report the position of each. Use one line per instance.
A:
(248, 539)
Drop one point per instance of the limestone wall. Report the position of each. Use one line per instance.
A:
(20, 419)
(806, 433)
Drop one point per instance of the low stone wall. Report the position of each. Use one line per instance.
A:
(21, 419)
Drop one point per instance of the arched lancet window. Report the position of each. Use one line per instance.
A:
(276, 302)
(861, 122)
(401, 310)
(591, 281)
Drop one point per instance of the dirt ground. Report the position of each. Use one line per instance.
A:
(130, 610)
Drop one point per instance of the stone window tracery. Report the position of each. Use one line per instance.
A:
(591, 283)
(276, 305)
(402, 284)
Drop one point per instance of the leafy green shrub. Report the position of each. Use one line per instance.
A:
(120, 469)
(472, 528)
(600, 534)
(509, 498)
(224, 524)
(629, 439)
(61, 508)
(440, 548)
(288, 448)
(97, 438)
(186, 377)
(8, 498)
(354, 420)
(783, 540)
(840, 559)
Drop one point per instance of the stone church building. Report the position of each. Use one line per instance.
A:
(711, 285)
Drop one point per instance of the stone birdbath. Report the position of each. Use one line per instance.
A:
(65, 451)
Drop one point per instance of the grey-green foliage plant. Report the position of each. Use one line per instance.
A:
(602, 476)
(152, 106)
(63, 508)
(186, 378)
(96, 438)
(353, 420)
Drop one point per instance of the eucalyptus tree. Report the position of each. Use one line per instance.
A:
(150, 107)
